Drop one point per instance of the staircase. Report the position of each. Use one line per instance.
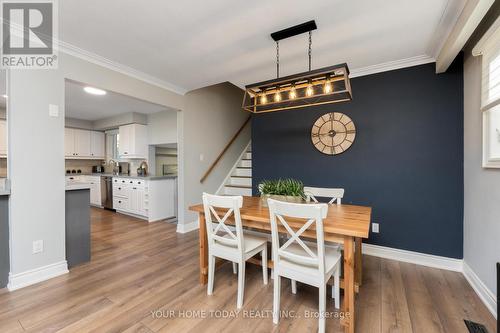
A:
(239, 180)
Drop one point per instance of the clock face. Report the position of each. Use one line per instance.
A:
(333, 133)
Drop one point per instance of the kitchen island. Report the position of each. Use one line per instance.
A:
(77, 223)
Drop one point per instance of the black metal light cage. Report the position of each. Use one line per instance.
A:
(320, 86)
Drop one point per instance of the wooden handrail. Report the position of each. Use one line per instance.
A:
(224, 150)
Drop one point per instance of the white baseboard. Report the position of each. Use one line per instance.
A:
(485, 294)
(183, 228)
(418, 258)
(27, 278)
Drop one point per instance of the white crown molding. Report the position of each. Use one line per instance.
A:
(391, 65)
(183, 228)
(485, 294)
(27, 278)
(448, 20)
(117, 67)
(417, 258)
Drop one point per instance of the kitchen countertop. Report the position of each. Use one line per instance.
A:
(136, 177)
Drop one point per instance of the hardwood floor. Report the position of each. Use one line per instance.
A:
(144, 278)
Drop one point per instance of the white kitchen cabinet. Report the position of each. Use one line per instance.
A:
(150, 199)
(83, 144)
(95, 190)
(69, 142)
(3, 138)
(97, 145)
(133, 141)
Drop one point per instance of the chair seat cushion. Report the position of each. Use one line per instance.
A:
(332, 257)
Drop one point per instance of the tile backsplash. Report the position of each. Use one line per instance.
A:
(84, 165)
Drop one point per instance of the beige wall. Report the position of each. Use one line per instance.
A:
(212, 115)
(481, 185)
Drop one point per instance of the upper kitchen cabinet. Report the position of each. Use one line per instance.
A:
(97, 145)
(83, 144)
(3, 138)
(133, 141)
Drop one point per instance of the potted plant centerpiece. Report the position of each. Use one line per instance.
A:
(289, 190)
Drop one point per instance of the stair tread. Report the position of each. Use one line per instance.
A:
(238, 186)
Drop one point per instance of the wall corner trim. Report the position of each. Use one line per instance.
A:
(30, 277)
(418, 258)
(485, 294)
(187, 227)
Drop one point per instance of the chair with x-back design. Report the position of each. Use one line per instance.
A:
(300, 261)
(230, 243)
(334, 194)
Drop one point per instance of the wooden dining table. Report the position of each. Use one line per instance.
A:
(344, 224)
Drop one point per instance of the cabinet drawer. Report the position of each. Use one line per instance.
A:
(93, 179)
(121, 181)
(121, 190)
(120, 203)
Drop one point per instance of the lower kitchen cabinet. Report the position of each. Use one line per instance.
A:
(95, 190)
(150, 199)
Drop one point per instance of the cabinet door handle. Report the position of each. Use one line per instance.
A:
(119, 201)
(119, 188)
(134, 188)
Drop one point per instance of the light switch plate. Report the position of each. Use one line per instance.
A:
(375, 228)
(37, 246)
(53, 110)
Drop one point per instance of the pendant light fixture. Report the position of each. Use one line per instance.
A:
(314, 87)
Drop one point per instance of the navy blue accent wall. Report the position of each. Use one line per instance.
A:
(406, 161)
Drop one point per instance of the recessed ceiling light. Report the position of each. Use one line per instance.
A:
(94, 91)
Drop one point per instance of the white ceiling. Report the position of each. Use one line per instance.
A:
(194, 43)
(81, 105)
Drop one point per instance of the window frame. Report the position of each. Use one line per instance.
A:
(489, 48)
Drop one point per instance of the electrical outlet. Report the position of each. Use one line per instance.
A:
(37, 246)
(375, 228)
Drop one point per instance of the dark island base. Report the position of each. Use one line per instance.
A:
(77, 227)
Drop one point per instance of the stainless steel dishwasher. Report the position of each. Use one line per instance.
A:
(107, 192)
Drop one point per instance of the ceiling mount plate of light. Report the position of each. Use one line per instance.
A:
(314, 87)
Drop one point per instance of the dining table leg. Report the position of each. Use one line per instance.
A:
(349, 264)
(358, 255)
(203, 250)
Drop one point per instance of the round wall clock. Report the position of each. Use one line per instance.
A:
(333, 133)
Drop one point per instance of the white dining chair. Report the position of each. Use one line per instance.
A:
(334, 194)
(310, 264)
(230, 243)
(312, 194)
